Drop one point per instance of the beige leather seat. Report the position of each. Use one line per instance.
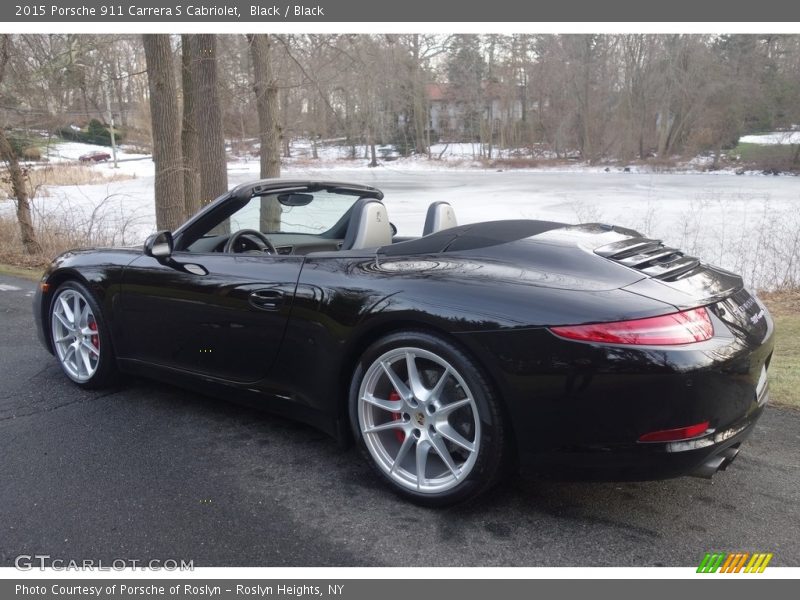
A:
(369, 226)
(440, 216)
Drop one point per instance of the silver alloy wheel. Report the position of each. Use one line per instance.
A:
(75, 336)
(413, 398)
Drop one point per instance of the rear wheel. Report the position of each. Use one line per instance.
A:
(81, 340)
(427, 419)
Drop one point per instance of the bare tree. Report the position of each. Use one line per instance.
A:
(266, 91)
(9, 155)
(190, 141)
(166, 131)
(419, 102)
(208, 118)
(636, 107)
(597, 97)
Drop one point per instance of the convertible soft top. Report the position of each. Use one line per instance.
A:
(471, 237)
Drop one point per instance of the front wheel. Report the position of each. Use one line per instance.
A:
(427, 419)
(81, 341)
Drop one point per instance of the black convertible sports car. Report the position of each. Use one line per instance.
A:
(577, 350)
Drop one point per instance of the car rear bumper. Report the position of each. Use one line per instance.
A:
(578, 410)
(701, 457)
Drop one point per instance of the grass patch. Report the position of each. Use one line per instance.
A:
(12, 255)
(33, 274)
(766, 156)
(39, 178)
(57, 233)
(784, 372)
(512, 163)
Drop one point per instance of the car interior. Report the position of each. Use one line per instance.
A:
(364, 225)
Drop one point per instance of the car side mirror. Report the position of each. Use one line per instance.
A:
(159, 245)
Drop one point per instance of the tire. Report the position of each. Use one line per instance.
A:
(420, 404)
(84, 352)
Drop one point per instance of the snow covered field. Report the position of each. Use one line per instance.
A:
(773, 138)
(747, 224)
(750, 224)
(72, 151)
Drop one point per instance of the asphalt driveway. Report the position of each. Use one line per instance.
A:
(146, 471)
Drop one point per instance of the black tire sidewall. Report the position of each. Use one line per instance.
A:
(106, 368)
(488, 466)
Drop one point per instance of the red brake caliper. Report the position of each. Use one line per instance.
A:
(95, 338)
(398, 433)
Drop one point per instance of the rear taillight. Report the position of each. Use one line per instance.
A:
(677, 434)
(683, 327)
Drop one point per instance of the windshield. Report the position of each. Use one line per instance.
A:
(268, 215)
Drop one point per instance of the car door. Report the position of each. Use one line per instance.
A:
(222, 315)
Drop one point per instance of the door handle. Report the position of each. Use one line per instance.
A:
(266, 299)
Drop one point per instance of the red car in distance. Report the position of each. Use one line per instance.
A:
(96, 156)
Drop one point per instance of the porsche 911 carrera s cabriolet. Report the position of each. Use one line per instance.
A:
(451, 358)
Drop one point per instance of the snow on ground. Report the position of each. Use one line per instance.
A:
(72, 151)
(461, 151)
(747, 224)
(443, 156)
(334, 154)
(772, 139)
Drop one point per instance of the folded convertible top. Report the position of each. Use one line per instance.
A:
(470, 237)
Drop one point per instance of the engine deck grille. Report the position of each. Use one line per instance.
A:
(651, 257)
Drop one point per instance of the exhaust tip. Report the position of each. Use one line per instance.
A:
(709, 467)
(729, 454)
(718, 462)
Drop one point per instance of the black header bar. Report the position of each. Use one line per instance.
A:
(337, 11)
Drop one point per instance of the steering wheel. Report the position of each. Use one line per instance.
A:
(259, 239)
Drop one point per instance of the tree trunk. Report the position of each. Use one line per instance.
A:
(190, 140)
(208, 118)
(166, 132)
(419, 101)
(662, 132)
(287, 149)
(9, 156)
(266, 90)
(118, 92)
(373, 159)
(20, 191)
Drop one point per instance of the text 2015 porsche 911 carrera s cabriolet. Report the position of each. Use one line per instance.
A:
(575, 350)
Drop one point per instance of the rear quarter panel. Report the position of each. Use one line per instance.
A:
(344, 303)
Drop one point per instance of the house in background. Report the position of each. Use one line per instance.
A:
(455, 116)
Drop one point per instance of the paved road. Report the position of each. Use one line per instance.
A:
(146, 471)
